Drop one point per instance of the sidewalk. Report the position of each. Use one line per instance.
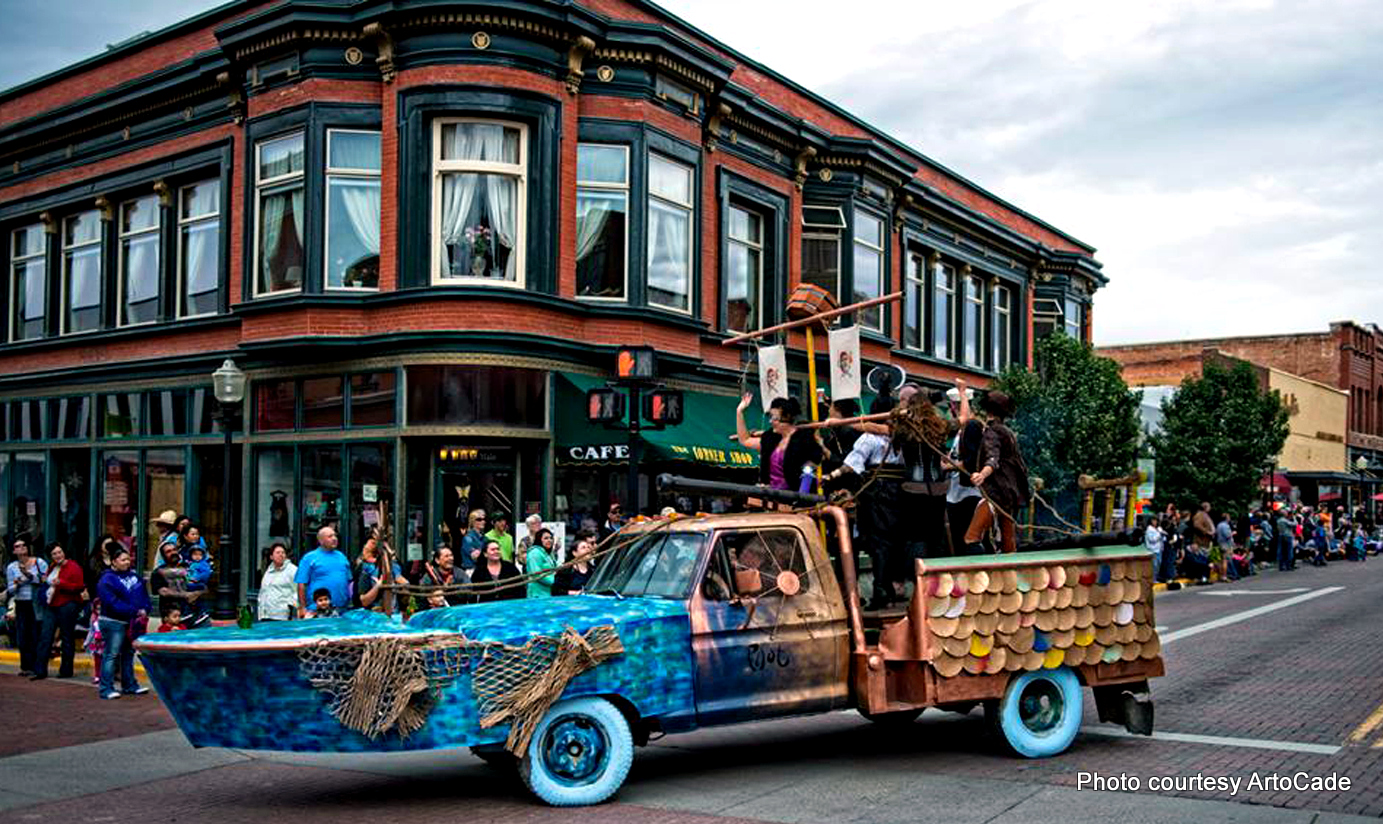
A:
(81, 665)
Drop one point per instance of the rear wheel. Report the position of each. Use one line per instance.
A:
(580, 753)
(1040, 712)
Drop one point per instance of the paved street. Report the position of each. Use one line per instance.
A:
(1274, 676)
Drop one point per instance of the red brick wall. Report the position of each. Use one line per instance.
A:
(1312, 356)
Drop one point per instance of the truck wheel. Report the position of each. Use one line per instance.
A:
(580, 753)
(1040, 712)
(496, 756)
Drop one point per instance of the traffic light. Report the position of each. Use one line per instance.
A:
(663, 407)
(604, 405)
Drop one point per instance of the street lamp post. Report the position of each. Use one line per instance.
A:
(228, 383)
(1361, 464)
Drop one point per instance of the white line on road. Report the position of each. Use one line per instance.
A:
(1236, 617)
(1218, 740)
(1254, 591)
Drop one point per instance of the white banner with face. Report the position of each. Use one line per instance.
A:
(773, 374)
(845, 363)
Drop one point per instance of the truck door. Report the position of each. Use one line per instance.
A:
(766, 631)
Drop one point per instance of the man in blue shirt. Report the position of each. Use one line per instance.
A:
(324, 567)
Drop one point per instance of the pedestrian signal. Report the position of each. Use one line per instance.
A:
(663, 407)
(604, 405)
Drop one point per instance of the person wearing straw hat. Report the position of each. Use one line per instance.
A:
(166, 523)
(1002, 477)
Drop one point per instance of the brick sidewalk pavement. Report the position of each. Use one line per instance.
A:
(59, 712)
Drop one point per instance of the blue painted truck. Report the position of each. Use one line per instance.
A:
(723, 619)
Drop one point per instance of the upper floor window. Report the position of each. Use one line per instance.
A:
(974, 320)
(869, 268)
(670, 212)
(1074, 319)
(914, 301)
(821, 226)
(943, 309)
(81, 272)
(744, 269)
(199, 248)
(602, 220)
(28, 282)
(139, 261)
(1001, 325)
(479, 191)
(279, 257)
(352, 216)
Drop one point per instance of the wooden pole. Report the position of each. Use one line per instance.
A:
(880, 416)
(815, 414)
(818, 318)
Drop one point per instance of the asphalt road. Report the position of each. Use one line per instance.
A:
(1275, 677)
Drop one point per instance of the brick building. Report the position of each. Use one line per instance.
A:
(1348, 358)
(422, 229)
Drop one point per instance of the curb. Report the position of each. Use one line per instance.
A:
(81, 665)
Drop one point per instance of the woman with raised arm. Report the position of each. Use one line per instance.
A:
(784, 450)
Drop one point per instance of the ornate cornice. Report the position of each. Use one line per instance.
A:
(502, 22)
(384, 50)
(309, 35)
(580, 48)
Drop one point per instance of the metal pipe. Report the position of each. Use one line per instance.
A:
(694, 486)
(822, 317)
(847, 572)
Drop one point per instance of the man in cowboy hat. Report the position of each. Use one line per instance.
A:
(166, 524)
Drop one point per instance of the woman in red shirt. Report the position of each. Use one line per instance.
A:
(66, 591)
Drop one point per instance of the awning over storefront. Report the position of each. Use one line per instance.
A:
(702, 437)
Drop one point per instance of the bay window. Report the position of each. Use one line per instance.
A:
(744, 270)
(974, 320)
(869, 268)
(821, 227)
(1001, 324)
(352, 209)
(1074, 319)
(602, 220)
(81, 272)
(279, 258)
(670, 213)
(914, 301)
(28, 282)
(943, 309)
(479, 195)
(199, 248)
(139, 261)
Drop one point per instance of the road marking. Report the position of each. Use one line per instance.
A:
(1361, 732)
(1218, 740)
(1231, 592)
(1236, 617)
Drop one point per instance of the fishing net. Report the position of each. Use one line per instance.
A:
(378, 685)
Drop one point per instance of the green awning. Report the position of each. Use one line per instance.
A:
(702, 438)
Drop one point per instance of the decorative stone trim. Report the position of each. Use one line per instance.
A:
(384, 51)
(106, 208)
(296, 35)
(800, 165)
(581, 47)
(718, 112)
(165, 194)
(487, 21)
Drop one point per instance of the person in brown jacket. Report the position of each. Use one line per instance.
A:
(1202, 527)
(1003, 477)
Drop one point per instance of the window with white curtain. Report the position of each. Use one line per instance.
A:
(479, 191)
(943, 309)
(1002, 324)
(139, 261)
(81, 272)
(869, 268)
(974, 320)
(744, 270)
(352, 217)
(602, 220)
(28, 282)
(914, 301)
(670, 211)
(279, 258)
(199, 249)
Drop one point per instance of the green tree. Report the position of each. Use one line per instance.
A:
(1075, 415)
(1219, 432)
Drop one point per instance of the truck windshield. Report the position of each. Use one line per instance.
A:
(660, 565)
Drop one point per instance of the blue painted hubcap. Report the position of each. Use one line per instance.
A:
(1041, 707)
(575, 751)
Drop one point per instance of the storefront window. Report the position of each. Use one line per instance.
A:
(274, 405)
(70, 418)
(120, 495)
(372, 495)
(165, 484)
(415, 542)
(273, 499)
(27, 421)
(4, 487)
(203, 413)
(73, 470)
(372, 398)
(324, 403)
(168, 412)
(207, 502)
(321, 501)
(477, 395)
(30, 485)
(119, 415)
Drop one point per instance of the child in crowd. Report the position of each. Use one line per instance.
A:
(198, 574)
(94, 643)
(321, 598)
(172, 620)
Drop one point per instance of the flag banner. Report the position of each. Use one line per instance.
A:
(773, 374)
(845, 363)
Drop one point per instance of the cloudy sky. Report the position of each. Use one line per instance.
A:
(1226, 158)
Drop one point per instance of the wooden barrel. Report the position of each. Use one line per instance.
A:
(809, 299)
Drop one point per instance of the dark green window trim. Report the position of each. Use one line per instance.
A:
(772, 207)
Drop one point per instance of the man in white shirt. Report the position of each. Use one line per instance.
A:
(1152, 539)
(877, 512)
